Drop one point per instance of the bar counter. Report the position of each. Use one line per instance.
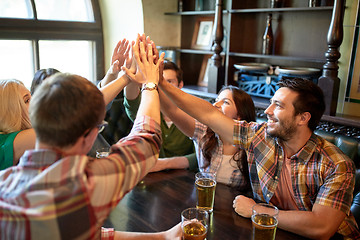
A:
(155, 204)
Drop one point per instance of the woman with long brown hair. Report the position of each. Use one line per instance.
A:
(228, 162)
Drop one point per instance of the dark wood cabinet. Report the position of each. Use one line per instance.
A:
(300, 37)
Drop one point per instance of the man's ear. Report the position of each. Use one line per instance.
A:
(181, 84)
(88, 140)
(304, 118)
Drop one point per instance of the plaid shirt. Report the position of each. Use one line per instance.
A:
(320, 172)
(236, 179)
(107, 233)
(50, 196)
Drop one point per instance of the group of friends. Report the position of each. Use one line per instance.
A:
(51, 188)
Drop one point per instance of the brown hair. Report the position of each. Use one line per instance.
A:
(246, 111)
(168, 65)
(64, 107)
(40, 76)
(310, 98)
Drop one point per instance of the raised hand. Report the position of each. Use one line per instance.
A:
(148, 41)
(120, 54)
(129, 60)
(145, 60)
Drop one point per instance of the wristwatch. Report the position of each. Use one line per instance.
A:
(149, 86)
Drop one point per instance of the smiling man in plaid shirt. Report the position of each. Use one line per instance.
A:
(56, 191)
(308, 178)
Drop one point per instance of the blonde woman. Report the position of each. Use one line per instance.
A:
(16, 134)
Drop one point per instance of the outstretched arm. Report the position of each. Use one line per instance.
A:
(180, 162)
(182, 120)
(201, 110)
(174, 233)
(111, 90)
(132, 91)
(149, 70)
(120, 56)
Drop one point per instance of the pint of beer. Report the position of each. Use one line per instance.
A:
(264, 221)
(194, 224)
(205, 188)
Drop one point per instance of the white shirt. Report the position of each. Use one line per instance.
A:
(226, 169)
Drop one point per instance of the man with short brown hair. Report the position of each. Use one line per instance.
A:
(56, 191)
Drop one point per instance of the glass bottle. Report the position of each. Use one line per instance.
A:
(313, 3)
(275, 3)
(180, 6)
(267, 44)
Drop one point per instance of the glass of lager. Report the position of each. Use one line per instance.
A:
(205, 188)
(264, 221)
(194, 224)
(102, 152)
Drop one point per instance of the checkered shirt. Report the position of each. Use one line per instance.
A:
(50, 196)
(320, 172)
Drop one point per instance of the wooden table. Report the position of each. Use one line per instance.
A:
(156, 203)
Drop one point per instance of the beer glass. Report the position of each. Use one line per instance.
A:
(264, 221)
(102, 152)
(194, 224)
(205, 188)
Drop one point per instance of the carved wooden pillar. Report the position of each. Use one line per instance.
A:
(329, 81)
(216, 69)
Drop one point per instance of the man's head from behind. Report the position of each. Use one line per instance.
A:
(310, 98)
(64, 108)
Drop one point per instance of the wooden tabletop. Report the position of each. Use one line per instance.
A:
(156, 203)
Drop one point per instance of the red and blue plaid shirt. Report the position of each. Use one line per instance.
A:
(50, 196)
(320, 172)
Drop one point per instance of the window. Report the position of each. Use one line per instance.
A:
(65, 10)
(16, 59)
(16, 9)
(66, 35)
(78, 55)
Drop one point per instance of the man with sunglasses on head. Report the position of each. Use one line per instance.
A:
(56, 191)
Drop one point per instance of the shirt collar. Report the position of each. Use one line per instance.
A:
(305, 153)
(39, 158)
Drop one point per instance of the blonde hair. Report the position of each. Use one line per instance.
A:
(14, 115)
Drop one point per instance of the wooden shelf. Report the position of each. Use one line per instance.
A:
(195, 51)
(199, 92)
(191, 13)
(278, 57)
(251, 10)
(287, 9)
(300, 38)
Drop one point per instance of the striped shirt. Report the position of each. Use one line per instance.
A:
(50, 196)
(320, 172)
(236, 178)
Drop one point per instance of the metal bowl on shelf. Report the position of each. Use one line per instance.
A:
(298, 71)
(252, 67)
